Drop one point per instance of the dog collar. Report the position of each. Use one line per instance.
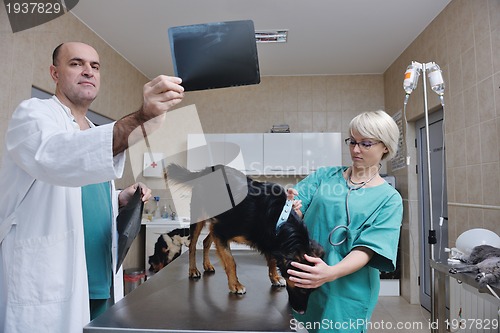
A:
(287, 209)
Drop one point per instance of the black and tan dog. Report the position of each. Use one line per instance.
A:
(167, 248)
(251, 219)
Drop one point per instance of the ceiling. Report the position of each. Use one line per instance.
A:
(325, 37)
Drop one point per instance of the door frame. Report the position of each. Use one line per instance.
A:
(440, 206)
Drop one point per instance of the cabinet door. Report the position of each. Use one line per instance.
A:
(282, 153)
(204, 150)
(321, 149)
(250, 147)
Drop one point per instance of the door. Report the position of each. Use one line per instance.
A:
(439, 199)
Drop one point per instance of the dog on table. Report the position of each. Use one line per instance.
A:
(167, 248)
(257, 216)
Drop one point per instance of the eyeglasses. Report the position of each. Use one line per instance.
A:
(365, 145)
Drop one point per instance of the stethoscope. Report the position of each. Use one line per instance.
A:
(350, 188)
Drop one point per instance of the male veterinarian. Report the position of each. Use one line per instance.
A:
(52, 152)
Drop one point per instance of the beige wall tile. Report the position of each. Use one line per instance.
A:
(480, 15)
(471, 105)
(460, 181)
(495, 47)
(8, 67)
(455, 83)
(473, 144)
(491, 184)
(486, 100)
(455, 114)
(305, 122)
(476, 217)
(334, 122)
(491, 218)
(451, 184)
(494, 11)
(469, 68)
(461, 221)
(484, 64)
(466, 27)
(498, 133)
(319, 122)
(474, 185)
(489, 142)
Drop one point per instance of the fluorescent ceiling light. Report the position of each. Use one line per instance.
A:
(271, 36)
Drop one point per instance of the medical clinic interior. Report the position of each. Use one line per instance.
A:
(441, 85)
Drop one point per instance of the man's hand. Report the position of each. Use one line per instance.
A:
(128, 193)
(160, 95)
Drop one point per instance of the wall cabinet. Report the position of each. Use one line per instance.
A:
(265, 153)
(282, 153)
(205, 150)
(249, 148)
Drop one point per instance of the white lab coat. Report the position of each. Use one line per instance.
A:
(43, 276)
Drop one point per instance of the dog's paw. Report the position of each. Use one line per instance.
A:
(485, 279)
(194, 273)
(238, 289)
(208, 267)
(278, 282)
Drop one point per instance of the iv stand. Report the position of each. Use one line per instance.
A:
(435, 327)
(431, 239)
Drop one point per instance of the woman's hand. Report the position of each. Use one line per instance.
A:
(310, 276)
(314, 276)
(297, 204)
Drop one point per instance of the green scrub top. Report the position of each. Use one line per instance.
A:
(97, 225)
(346, 304)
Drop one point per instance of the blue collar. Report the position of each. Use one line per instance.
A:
(285, 213)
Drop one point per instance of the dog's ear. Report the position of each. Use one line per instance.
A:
(317, 249)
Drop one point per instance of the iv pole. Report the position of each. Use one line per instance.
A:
(432, 234)
(417, 67)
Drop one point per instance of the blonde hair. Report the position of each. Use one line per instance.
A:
(380, 126)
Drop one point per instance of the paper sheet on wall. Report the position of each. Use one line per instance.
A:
(399, 160)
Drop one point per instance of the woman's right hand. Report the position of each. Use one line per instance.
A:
(297, 204)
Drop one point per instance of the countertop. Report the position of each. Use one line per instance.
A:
(182, 222)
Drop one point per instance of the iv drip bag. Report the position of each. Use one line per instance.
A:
(436, 81)
(411, 78)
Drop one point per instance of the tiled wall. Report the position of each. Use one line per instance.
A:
(465, 41)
